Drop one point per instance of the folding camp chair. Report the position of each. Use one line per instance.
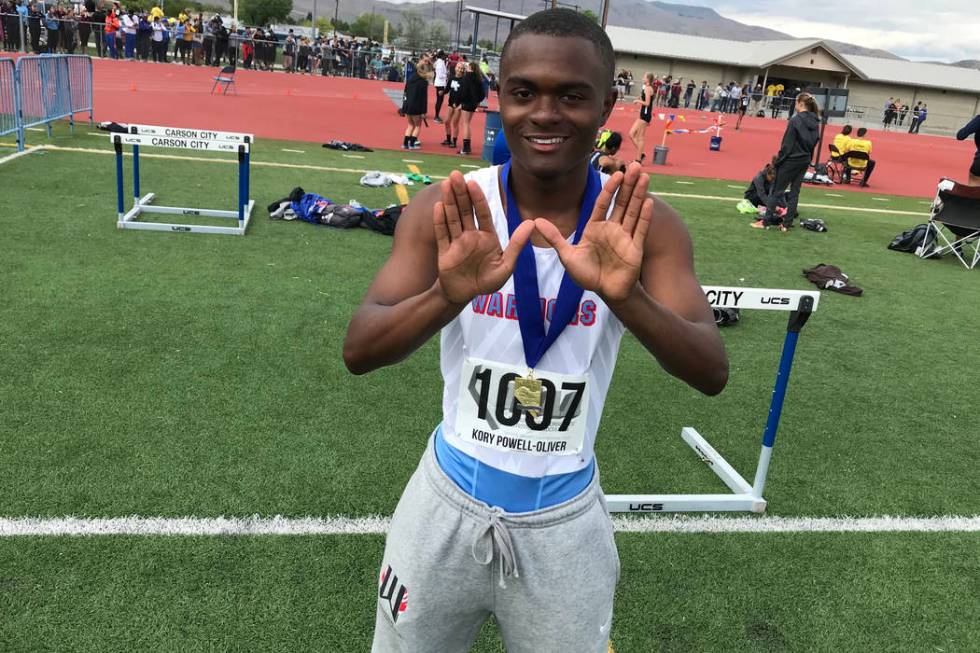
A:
(956, 207)
(225, 78)
(850, 172)
(835, 166)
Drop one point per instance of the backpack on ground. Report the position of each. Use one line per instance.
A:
(383, 221)
(726, 316)
(912, 240)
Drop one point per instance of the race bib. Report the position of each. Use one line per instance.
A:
(488, 415)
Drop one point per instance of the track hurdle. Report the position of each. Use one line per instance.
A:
(743, 497)
(178, 138)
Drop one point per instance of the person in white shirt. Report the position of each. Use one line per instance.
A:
(734, 95)
(441, 79)
(129, 25)
(157, 44)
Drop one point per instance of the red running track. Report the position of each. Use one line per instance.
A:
(317, 109)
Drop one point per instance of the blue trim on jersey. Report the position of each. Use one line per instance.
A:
(510, 492)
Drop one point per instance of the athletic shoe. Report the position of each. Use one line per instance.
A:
(465, 152)
(437, 120)
(446, 143)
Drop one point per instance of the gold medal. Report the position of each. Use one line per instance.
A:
(527, 392)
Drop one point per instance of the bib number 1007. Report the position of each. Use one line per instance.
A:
(506, 411)
(488, 414)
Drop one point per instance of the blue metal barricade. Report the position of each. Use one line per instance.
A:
(52, 87)
(80, 80)
(8, 101)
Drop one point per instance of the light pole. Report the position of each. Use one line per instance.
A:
(336, 11)
(496, 29)
(314, 20)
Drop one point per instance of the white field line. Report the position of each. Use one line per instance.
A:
(466, 165)
(833, 195)
(832, 207)
(412, 161)
(353, 156)
(34, 129)
(736, 187)
(377, 525)
(16, 155)
(685, 183)
(178, 157)
(294, 151)
(299, 166)
(880, 199)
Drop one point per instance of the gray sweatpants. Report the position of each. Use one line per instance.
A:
(547, 576)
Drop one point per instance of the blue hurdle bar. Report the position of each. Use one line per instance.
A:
(796, 321)
(120, 202)
(136, 173)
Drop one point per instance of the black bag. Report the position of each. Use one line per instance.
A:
(815, 224)
(912, 239)
(726, 316)
(343, 217)
(383, 221)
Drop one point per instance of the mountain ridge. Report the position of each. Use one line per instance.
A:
(653, 15)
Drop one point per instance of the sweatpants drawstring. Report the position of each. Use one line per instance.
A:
(497, 536)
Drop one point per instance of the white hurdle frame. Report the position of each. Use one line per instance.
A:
(744, 497)
(180, 138)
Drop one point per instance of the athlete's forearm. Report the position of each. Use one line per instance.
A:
(691, 351)
(380, 335)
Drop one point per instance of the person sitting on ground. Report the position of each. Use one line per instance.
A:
(603, 158)
(842, 141)
(762, 187)
(859, 144)
(972, 127)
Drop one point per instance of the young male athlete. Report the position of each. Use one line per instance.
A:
(531, 271)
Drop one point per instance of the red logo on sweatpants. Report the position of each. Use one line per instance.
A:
(389, 590)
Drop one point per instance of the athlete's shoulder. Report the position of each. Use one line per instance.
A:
(484, 176)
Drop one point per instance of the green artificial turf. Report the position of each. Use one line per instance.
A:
(788, 592)
(188, 374)
(156, 373)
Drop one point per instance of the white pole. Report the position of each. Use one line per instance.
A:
(235, 12)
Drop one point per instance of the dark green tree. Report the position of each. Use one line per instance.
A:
(414, 30)
(263, 12)
(369, 25)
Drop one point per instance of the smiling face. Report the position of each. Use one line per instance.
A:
(554, 95)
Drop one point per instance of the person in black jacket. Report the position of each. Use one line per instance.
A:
(762, 187)
(34, 19)
(972, 127)
(792, 161)
(416, 102)
(471, 95)
(455, 112)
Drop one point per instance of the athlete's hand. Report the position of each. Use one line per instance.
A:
(471, 261)
(607, 259)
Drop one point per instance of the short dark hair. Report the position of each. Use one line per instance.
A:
(566, 23)
(862, 131)
(614, 142)
(846, 130)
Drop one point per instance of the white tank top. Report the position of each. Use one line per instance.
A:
(487, 330)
